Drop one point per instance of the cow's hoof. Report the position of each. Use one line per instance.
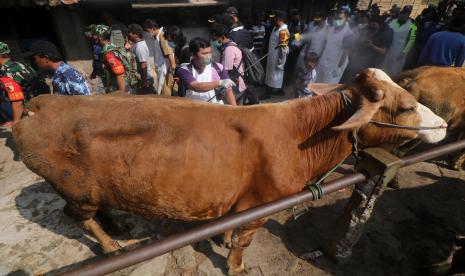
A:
(238, 270)
(459, 162)
(111, 247)
(226, 244)
(394, 184)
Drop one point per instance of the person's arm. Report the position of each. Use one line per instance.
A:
(143, 56)
(230, 98)
(189, 81)
(15, 96)
(168, 53)
(202, 87)
(117, 68)
(143, 73)
(121, 82)
(379, 50)
(345, 54)
(348, 43)
(18, 109)
(411, 39)
(283, 49)
(172, 63)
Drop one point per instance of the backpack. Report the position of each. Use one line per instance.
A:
(129, 63)
(181, 88)
(243, 37)
(253, 70)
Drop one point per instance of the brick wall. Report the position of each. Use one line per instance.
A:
(385, 5)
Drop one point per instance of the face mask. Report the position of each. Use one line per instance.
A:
(217, 44)
(338, 23)
(362, 26)
(207, 60)
(172, 44)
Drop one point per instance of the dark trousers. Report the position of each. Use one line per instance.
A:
(248, 97)
(150, 89)
(6, 113)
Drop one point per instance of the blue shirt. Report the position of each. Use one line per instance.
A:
(444, 49)
(68, 81)
(96, 58)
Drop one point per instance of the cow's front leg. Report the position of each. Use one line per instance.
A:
(241, 239)
(107, 243)
(227, 236)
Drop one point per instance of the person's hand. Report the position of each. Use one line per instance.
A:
(370, 43)
(227, 83)
(219, 93)
(280, 67)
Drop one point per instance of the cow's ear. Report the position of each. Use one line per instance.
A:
(360, 118)
(404, 81)
(371, 87)
(324, 88)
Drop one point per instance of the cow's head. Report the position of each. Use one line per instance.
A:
(377, 98)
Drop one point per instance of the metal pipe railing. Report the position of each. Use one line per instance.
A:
(221, 225)
(433, 153)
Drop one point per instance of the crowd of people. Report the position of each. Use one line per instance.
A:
(238, 57)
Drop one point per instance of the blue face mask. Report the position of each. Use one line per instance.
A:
(172, 44)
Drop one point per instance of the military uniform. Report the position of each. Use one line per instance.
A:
(15, 77)
(21, 74)
(116, 61)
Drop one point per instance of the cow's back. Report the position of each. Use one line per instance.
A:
(148, 155)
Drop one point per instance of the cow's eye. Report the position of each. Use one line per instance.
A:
(407, 109)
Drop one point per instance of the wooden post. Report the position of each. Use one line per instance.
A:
(381, 167)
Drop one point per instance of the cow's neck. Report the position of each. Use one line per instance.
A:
(322, 147)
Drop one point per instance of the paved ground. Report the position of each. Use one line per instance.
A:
(411, 232)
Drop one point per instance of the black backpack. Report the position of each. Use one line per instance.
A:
(254, 72)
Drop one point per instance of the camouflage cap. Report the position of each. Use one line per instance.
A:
(100, 29)
(4, 49)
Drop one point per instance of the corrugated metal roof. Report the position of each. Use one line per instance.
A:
(176, 3)
(34, 3)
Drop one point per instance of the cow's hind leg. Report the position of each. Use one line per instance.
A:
(241, 239)
(107, 243)
(85, 216)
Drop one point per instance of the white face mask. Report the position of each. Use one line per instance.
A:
(362, 26)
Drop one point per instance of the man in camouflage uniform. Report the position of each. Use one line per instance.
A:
(119, 73)
(15, 83)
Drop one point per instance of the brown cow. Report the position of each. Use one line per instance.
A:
(195, 161)
(442, 89)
